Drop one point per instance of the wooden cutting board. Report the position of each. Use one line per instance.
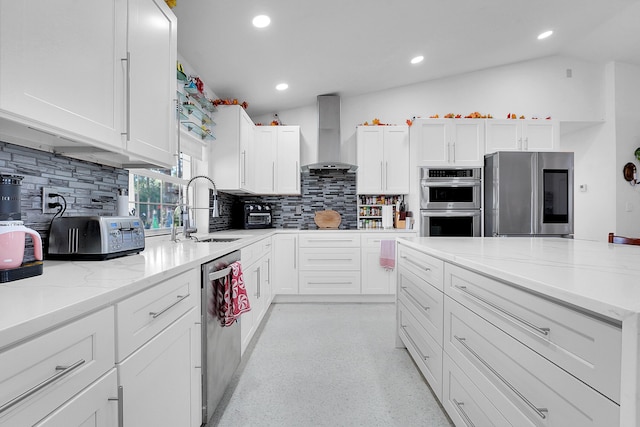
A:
(327, 219)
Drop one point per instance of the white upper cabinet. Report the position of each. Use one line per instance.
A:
(449, 142)
(229, 157)
(383, 159)
(87, 74)
(521, 135)
(152, 50)
(275, 155)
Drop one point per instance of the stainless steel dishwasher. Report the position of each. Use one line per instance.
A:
(220, 344)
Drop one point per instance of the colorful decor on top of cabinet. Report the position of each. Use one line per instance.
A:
(229, 101)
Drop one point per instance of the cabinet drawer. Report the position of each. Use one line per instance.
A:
(323, 239)
(253, 252)
(464, 402)
(330, 259)
(51, 368)
(424, 301)
(144, 315)
(424, 266)
(424, 350)
(373, 240)
(569, 338)
(524, 386)
(329, 282)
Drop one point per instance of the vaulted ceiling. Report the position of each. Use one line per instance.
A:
(350, 47)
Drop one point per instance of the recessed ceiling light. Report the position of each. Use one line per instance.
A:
(261, 21)
(417, 59)
(282, 86)
(545, 35)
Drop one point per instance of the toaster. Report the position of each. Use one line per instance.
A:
(94, 237)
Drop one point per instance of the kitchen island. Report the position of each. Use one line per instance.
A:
(565, 310)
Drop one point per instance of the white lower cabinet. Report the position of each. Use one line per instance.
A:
(95, 406)
(375, 278)
(158, 353)
(497, 355)
(285, 264)
(256, 270)
(50, 370)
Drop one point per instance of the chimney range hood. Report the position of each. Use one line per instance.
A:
(329, 137)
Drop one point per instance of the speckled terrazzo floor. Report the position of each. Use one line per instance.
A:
(328, 365)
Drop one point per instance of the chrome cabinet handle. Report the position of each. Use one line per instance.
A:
(539, 411)
(520, 146)
(381, 177)
(273, 176)
(63, 371)
(331, 283)
(415, 263)
(526, 143)
(297, 177)
(330, 259)
(467, 420)
(405, 289)
(127, 132)
(413, 343)
(295, 253)
(330, 240)
(120, 400)
(155, 314)
(386, 175)
(258, 284)
(454, 151)
(542, 331)
(243, 165)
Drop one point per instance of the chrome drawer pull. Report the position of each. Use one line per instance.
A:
(543, 331)
(63, 370)
(467, 420)
(413, 343)
(424, 307)
(330, 283)
(181, 298)
(539, 411)
(330, 259)
(120, 400)
(330, 240)
(415, 263)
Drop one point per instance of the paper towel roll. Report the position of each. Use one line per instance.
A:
(123, 205)
(387, 216)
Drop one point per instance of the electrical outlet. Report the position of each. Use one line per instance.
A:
(299, 210)
(46, 199)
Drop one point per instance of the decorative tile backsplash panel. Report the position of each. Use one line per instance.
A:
(321, 190)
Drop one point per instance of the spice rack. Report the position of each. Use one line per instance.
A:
(370, 209)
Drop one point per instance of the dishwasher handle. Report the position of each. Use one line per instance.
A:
(219, 274)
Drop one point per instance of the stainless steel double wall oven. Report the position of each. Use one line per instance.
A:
(450, 201)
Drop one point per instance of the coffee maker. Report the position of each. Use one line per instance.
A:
(13, 233)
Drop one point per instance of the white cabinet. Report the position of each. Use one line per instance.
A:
(256, 270)
(383, 159)
(375, 278)
(329, 263)
(285, 264)
(449, 142)
(96, 73)
(49, 370)
(275, 155)
(158, 358)
(229, 158)
(521, 135)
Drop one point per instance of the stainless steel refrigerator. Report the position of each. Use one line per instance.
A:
(528, 194)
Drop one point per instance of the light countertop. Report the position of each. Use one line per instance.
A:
(597, 276)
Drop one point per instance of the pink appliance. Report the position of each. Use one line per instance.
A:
(13, 234)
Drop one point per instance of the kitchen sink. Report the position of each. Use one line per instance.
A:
(219, 239)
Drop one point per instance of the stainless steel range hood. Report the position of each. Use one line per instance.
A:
(329, 137)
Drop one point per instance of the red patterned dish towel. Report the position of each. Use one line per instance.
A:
(232, 296)
(388, 254)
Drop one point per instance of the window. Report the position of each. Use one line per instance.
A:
(155, 193)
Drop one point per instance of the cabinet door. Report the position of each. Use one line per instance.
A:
(467, 142)
(540, 135)
(369, 152)
(503, 135)
(396, 160)
(60, 67)
(95, 406)
(251, 275)
(433, 141)
(246, 140)
(156, 379)
(285, 264)
(288, 163)
(263, 153)
(376, 279)
(152, 51)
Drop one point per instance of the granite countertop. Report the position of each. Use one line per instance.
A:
(597, 276)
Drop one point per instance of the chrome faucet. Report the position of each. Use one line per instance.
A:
(179, 211)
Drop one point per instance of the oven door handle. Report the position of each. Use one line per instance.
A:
(449, 184)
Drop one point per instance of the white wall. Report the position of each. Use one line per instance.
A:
(608, 94)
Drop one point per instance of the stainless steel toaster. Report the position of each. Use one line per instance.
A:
(94, 237)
